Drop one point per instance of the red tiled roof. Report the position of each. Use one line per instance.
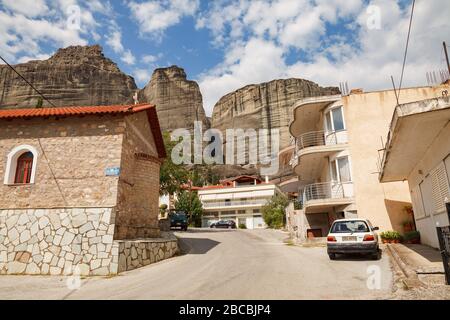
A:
(71, 111)
(93, 110)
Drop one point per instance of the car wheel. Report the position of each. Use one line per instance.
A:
(332, 256)
(376, 255)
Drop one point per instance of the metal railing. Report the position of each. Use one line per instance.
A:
(315, 139)
(234, 203)
(325, 190)
(443, 234)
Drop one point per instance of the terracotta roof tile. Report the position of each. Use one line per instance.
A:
(72, 111)
(93, 110)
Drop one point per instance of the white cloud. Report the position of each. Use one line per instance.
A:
(36, 57)
(114, 40)
(128, 57)
(154, 17)
(33, 28)
(29, 8)
(257, 40)
(142, 76)
(149, 59)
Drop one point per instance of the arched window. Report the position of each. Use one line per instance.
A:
(21, 165)
(24, 168)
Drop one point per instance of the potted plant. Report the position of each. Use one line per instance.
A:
(412, 237)
(390, 237)
(408, 226)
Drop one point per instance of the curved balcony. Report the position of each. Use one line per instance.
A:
(311, 150)
(322, 195)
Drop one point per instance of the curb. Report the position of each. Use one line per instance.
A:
(410, 278)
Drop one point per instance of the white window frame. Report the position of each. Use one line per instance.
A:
(330, 112)
(334, 163)
(11, 163)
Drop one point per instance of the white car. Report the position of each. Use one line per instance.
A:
(353, 236)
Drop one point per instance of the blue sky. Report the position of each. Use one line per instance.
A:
(226, 44)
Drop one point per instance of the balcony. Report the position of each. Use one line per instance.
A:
(311, 150)
(322, 195)
(234, 203)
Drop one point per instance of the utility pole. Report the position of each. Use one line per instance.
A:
(446, 57)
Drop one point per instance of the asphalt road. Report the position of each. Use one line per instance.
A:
(222, 264)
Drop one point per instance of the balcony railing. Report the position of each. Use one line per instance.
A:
(234, 203)
(315, 139)
(327, 190)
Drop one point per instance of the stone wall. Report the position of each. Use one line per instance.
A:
(138, 191)
(75, 151)
(139, 253)
(58, 241)
(72, 241)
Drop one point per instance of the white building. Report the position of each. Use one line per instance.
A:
(239, 199)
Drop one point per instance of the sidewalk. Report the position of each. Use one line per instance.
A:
(419, 272)
(422, 259)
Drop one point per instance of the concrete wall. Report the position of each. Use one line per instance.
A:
(367, 118)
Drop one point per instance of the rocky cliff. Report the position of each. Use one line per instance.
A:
(265, 106)
(77, 75)
(178, 101)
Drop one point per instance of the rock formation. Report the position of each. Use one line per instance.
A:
(265, 106)
(77, 75)
(178, 101)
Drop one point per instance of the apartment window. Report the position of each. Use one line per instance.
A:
(21, 165)
(340, 170)
(335, 119)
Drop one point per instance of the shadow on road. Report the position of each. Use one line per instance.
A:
(196, 245)
(356, 257)
(205, 230)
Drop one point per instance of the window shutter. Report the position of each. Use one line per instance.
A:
(416, 197)
(440, 187)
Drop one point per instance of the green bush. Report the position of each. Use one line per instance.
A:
(390, 235)
(242, 226)
(274, 212)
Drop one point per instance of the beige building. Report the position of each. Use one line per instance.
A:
(336, 156)
(418, 150)
(80, 184)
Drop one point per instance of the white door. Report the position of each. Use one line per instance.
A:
(249, 223)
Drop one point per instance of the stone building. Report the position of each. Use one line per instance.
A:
(80, 185)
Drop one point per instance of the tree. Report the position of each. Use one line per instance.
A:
(39, 103)
(274, 212)
(189, 202)
(172, 176)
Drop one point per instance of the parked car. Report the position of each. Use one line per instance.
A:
(178, 219)
(226, 224)
(348, 236)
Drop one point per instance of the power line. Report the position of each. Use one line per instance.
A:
(17, 72)
(406, 48)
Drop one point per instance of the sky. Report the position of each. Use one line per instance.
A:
(227, 44)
